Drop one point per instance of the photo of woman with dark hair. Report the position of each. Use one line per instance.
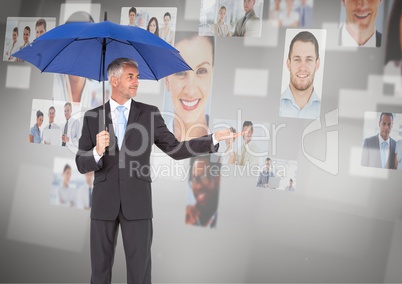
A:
(153, 26)
(35, 133)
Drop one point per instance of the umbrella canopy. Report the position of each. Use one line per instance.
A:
(84, 49)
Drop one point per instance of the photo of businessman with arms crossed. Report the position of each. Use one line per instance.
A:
(120, 157)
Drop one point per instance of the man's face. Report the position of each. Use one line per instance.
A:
(302, 65)
(203, 184)
(248, 5)
(51, 115)
(248, 134)
(40, 30)
(361, 14)
(127, 85)
(132, 18)
(26, 35)
(67, 112)
(385, 124)
(190, 90)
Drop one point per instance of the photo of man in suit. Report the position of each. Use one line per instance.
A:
(265, 174)
(250, 24)
(120, 157)
(379, 150)
(359, 28)
(52, 127)
(248, 153)
(71, 128)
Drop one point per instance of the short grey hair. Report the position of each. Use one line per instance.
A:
(115, 67)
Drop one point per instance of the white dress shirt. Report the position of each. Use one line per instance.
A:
(348, 40)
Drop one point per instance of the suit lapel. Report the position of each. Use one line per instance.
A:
(132, 117)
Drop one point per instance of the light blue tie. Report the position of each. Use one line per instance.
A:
(383, 153)
(121, 125)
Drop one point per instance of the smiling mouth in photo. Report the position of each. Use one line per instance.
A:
(190, 105)
(361, 16)
(302, 76)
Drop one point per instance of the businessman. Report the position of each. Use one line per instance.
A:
(120, 157)
(71, 128)
(52, 127)
(248, 154)
(265, 174)
(379, 150)
(300, 100)
(250, 24)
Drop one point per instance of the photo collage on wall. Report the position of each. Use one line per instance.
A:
(21, 31)
(188, 97)
(231, 18)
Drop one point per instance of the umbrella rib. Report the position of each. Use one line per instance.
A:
(110, 40)
(73, 40)
(149, 67)
(124, 42)
(127, 43)
(54, 57)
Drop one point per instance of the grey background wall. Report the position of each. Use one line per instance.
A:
(339, 227)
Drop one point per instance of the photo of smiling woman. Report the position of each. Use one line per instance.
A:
(153, 26)
(35, 135)
(188, 94)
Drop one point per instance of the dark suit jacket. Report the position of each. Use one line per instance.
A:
(122, 178)
(263, 178)
(371, 156)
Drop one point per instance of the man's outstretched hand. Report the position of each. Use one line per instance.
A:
(227, 134)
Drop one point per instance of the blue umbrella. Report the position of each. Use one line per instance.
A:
(85, 49)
